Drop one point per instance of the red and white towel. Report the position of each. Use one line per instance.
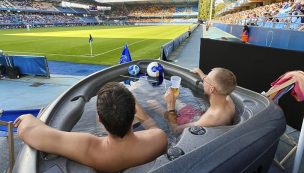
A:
(298, 90)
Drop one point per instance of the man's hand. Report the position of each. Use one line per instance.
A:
(25, 124)
(198, 72)
(23, 118)
(144, 118)
(140, 114)
(170, 99)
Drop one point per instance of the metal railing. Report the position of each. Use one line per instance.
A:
(10, 137)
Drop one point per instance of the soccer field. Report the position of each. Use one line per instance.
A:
(72, 43)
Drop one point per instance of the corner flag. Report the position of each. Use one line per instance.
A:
(91, 41)
(125, 55)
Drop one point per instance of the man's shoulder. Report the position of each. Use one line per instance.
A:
(148, 137)
(151, 132)
(218, 117)
(151, 135)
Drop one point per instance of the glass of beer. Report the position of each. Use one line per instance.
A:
(175, 84)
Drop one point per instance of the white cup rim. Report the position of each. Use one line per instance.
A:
(177, 82)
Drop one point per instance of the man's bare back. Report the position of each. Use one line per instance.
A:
(121, 154)
(218, 116)
(121, 149)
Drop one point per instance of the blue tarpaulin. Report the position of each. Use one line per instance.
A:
(12, 115)
(2, 60)
(28, 65)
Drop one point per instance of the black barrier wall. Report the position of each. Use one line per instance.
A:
(255, 68)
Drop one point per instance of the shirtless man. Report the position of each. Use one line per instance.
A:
(121, 149)
(218, 84)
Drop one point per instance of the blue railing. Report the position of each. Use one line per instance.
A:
(269, 37)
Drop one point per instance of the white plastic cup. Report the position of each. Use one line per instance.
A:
(175, 81)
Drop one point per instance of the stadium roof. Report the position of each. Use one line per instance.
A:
(87, 2)
(147, 1)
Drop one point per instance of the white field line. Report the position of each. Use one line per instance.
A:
(119, 48)
(38, 53)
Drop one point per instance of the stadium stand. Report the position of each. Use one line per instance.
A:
(280, 15)
(6, 4)
(186, 10)
(44, 6)
(150, 20)
(89, 19)
(11, 20)
(25, 5)
(119, 11)
(39, 7)
(18, 14)
(148, 10)
(80, 10)
(65, 9)
(156, 13)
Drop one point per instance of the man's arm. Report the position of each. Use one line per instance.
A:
(76, 146)
(204, 121)
(199, 72)
(174, 127)
(171, 115)
(144, 118)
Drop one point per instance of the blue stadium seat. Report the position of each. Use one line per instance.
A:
(294, 26)
(279, 25)
(65, 10)
(268, 25)
(89, 19)
(260, 23)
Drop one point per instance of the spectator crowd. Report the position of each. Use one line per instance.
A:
(153, 13)
(288, 12)
(21, 13)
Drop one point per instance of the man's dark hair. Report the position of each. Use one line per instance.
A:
(116, 108)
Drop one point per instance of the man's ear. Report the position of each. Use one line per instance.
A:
(212, 89)
(100, 119)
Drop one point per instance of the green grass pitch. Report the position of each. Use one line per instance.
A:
(72, 43)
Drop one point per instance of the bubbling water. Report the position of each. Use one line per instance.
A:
(189, 108)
